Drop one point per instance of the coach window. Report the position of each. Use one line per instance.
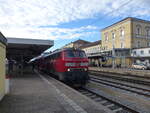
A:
(57, 55)
(53, 57)
(49, 57)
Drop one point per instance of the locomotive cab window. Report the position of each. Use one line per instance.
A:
(71, 54)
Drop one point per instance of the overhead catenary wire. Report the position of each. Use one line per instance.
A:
(107, 14)
(114, 10)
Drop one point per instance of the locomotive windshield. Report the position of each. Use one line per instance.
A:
(71, 54)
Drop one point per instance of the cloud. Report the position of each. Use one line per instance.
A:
(22, 18)
(52, 12)
(134, 8)
(50, 33)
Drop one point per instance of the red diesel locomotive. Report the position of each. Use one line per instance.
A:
(69, 65)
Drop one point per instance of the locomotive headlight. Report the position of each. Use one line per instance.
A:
(84, 64)
(85, 69)
(68, 69)
(70, 64)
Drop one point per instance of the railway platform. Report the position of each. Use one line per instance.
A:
(33, 92)
(122, 71)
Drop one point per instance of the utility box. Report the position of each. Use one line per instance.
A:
(3, 42)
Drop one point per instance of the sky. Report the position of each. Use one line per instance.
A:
(65, 21)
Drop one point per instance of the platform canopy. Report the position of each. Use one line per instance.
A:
(20, 49)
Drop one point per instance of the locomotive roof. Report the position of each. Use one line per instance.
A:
(60, 50)
(44, 55)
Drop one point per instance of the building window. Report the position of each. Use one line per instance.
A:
(142, 52)
(147, 32)
(134, 52)
(122, 45)
(113, 35)
(106, 47)
(138, 44)
(113, 46)
(148, 44)
(138, 30)
(106, 37)
(122, 33)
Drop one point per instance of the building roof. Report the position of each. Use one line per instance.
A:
(91, 44)
(3, 39)
(77, 42)
(29, 41)
(28, 48)
(80, 41)
(126, 19)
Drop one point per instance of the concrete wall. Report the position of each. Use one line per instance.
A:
(2, 69)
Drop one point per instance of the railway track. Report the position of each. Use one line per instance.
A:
(110, 104)
(127, 78)
(122, 85)
(114, 105)
(125, 74)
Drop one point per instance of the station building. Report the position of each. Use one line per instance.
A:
(123, 36)
(141, 55)
(3, 42)
(93, 52)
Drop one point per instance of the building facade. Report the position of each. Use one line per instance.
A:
(93, 52)
(128, 33)
(92, 48)
(2, 64)
(141, 55)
